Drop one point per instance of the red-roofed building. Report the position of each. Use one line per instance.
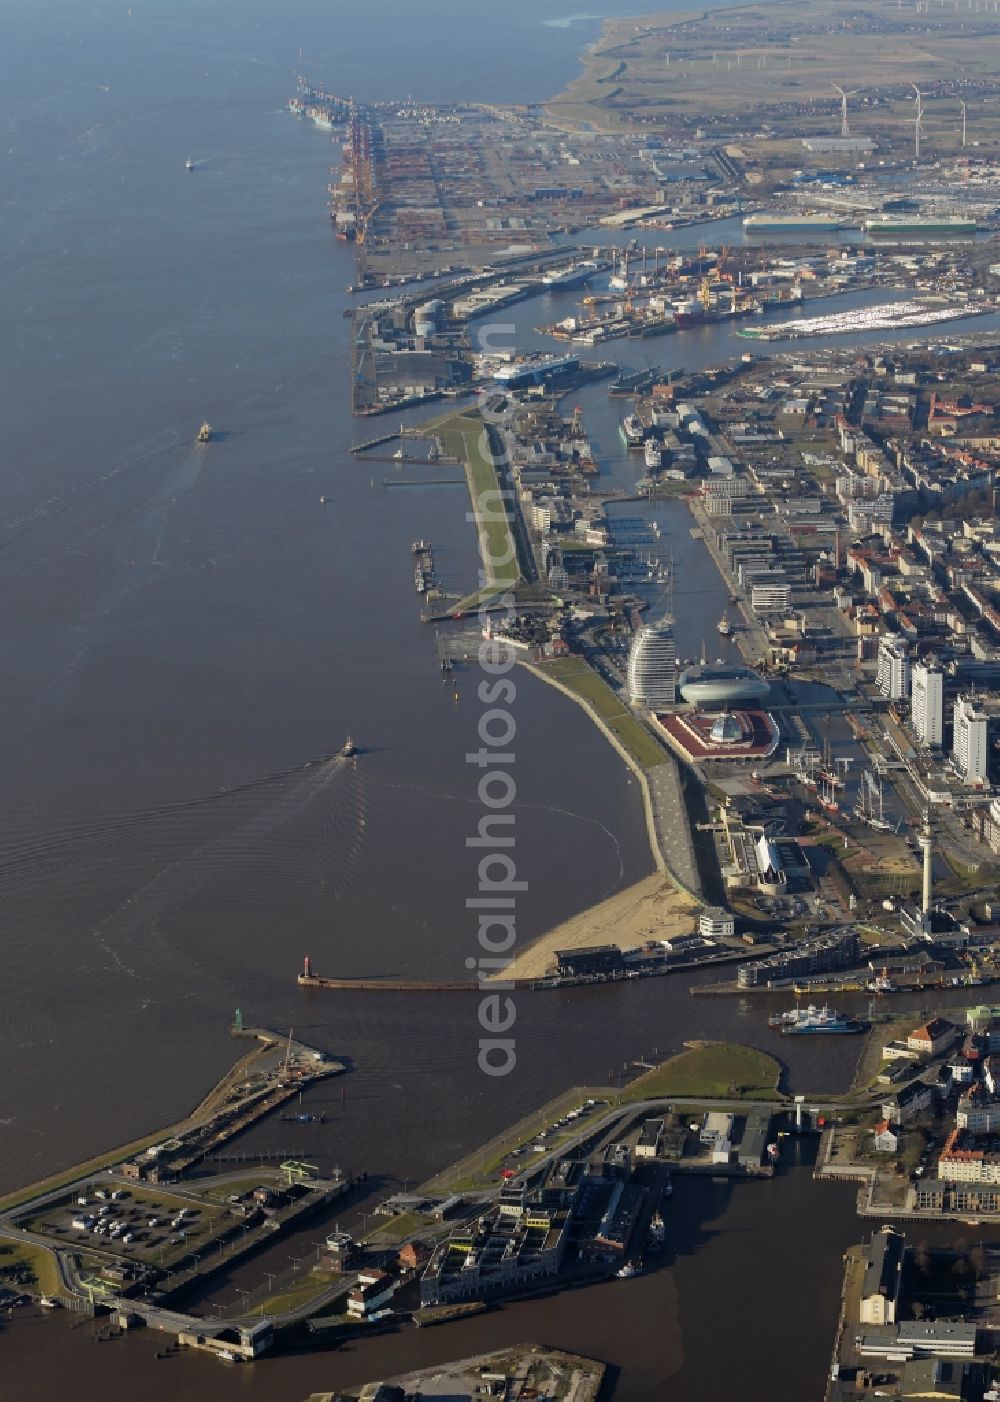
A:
(886, 1137)
(935, 1036)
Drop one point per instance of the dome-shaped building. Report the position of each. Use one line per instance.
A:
(652, 667)
(726, 730)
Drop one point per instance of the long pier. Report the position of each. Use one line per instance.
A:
(374, 442)
(390, 985)
(544, 983)
(424, 482)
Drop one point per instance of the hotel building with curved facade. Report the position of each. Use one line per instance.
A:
(652, 667)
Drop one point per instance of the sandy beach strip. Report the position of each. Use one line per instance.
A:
(652, 908)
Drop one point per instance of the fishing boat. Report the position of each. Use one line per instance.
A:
(189, 164)
(349, 749)
(204, 433)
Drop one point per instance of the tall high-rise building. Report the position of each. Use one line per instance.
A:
(652, 667)
(927, 702)
(893, 675)
(970, 747)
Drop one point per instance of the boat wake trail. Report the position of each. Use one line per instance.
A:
(253, 851)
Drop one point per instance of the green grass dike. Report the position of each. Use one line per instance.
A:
(577, 676)
(463, 437)
(715, 1070)
(24, 1264)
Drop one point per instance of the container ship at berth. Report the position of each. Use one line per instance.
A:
(325, 109)
(801, 1022)
(901, 226)
(791, 223)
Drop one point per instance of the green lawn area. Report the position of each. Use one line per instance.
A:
(724, 1071)
(294, 1296)
(397, 1229)
(579, 677)
(222, 1191)
(41, 1264)
(461, 437)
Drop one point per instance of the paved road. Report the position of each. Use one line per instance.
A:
(672, 824)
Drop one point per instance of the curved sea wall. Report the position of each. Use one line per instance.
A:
(678, 861)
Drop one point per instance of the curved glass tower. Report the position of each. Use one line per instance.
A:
(652, 667)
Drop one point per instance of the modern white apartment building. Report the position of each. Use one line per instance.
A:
(893, 674)
(970, 746)
(927, 702)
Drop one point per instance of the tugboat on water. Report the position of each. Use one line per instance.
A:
(349, 749)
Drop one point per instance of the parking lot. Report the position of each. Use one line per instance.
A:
(139, 1223)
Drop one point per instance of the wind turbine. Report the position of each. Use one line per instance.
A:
(917, 120)
(845, 129)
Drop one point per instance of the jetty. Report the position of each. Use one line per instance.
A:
(378, 442)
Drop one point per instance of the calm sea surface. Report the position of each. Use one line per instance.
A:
(186, 637)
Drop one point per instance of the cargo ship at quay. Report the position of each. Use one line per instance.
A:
(577, 275)
(323, 108)
(791, 224)
(918, 226)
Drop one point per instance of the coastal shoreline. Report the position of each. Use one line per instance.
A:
(653, 908)
(655, 848)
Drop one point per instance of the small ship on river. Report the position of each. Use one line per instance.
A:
(800, 1022)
